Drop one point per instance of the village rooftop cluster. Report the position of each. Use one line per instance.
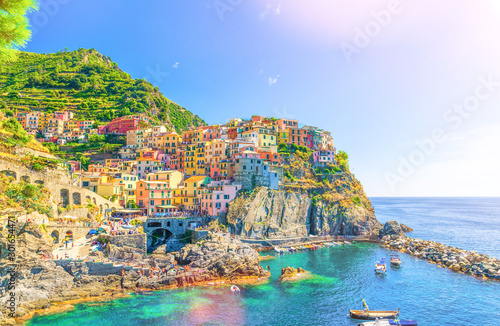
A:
(200, 170)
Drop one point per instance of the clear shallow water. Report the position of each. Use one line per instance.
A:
(344, 276)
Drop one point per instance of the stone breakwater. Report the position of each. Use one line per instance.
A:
(456, 259)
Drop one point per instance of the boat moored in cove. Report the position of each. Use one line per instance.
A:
(380, 266)
(390, 322)
(395, 261)
(368, 314)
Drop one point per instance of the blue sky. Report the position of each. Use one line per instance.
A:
(383, 76)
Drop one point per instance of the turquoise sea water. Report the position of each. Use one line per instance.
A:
(344, 276)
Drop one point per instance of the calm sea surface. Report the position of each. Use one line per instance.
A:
(344, 276)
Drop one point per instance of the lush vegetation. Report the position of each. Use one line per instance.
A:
(14, 27)
(24, 196)
(12, 134)
(88, 84)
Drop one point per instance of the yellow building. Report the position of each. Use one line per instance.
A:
(168, 142)
(283, 136)
(172, 178)
(189, 160)
(188, 196)
(267, 137)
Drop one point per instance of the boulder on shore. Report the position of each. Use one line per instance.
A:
(406, 228)
(293, 274)
(391, 228)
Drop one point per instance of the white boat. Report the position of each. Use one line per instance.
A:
(380, 266)
(128, 226)
(389, 322)
(234, 289)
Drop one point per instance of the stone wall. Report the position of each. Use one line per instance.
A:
(129, 240)
(59, 184)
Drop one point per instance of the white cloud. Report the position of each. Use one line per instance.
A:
(176, 65)
(273, 81)
(263, 14)
(268, 10)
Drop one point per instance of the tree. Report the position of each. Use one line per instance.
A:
(14, 27)
(342, 160)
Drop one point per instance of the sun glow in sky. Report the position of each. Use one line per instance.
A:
(382, 76)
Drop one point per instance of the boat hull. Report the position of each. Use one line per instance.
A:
(371, 315)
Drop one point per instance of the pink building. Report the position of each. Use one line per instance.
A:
(323, 157)
(216, 197)
(63, 115)
(121, 125)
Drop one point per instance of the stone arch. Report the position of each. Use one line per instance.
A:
(94, 200)
(10, 173)
(26, 178)
(40, 182)
(106, 206)
(77, 199)
(64, 197)
(55, 236)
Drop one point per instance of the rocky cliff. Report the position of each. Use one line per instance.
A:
(270, 213)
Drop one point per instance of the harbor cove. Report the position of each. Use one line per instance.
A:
(343, 276)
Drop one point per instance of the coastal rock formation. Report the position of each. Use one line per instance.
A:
(41, 283)
(406, 228)
(458, 260)
(224, 256)
(276, 213)
(391, 228)
(289, 274)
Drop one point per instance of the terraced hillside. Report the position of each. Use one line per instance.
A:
(88, 84)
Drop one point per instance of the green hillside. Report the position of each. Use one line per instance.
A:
(87, 83)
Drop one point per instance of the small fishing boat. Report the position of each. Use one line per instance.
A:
(371, 315)
(278, 250)
(380, 266)
(128, 226)
(390, 322)
(395, 261)
(235, 289)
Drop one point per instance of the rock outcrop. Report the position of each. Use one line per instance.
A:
(289, 274)
(41, 283)
(276, 214)
(223, 256)
(391, 228)
(406, 228)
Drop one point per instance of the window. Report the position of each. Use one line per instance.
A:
(180, 223)
(151, 202)
(168, 223)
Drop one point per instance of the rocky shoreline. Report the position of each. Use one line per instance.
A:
(48, 286)
(456, 259)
